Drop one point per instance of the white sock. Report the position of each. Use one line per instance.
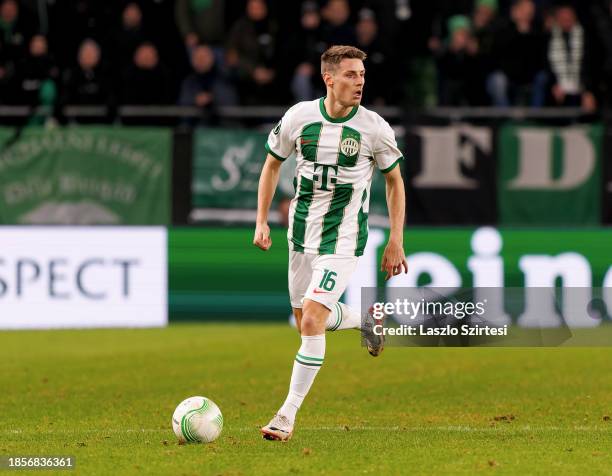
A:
(307, 363)
(342, 317)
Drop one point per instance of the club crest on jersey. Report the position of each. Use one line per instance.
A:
(349, 146)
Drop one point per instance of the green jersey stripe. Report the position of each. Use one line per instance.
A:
(333, 218)
(305, 195)
(362, 231)
(309, 141)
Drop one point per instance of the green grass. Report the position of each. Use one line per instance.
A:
(106, 397)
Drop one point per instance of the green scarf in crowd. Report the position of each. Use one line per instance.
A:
(6, 29)
(199, 5)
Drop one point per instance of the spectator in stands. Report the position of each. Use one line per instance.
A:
(125, 39)
(145, 81)
(267, 70)
(251, 52)
(602, 14)
(6, 76)
(336, 26)
(486, 25)
(15, 31)
(159, 22)
(520, 49)
(380, 90)
(201, 21)
(568, 57)
(74, 20)
(87, 83)
(206, 85)
(303, 54)
(36, 75)
(458, 65)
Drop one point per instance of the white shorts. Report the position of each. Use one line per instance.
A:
(321, 278)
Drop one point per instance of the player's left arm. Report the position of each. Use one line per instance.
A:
(394, 259)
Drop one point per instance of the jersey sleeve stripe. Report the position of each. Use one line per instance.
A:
(274, 154)
(393, 165)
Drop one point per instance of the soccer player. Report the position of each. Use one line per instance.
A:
(338, 145)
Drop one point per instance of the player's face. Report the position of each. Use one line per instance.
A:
(347, 82)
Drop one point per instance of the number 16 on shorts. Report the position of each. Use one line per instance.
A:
(330, 276)
(327, 282)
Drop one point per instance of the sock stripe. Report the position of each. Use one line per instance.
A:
(308, 364)
(305, 357)
(339, 320)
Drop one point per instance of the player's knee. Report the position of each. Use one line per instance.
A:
(310, 326)
(313, 319)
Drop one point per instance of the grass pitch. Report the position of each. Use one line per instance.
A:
(106, 397)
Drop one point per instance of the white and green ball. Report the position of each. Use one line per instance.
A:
(197, 419)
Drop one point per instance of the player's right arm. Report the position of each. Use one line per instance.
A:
(280, 145)
(265, 193)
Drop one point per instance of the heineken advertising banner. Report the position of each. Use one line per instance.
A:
(450, 174)
(227, 164)
(217, 273)
(550, 176)
(85, 176)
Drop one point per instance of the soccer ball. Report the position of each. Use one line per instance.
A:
(197, 419)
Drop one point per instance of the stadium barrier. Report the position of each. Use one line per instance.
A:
(455, 174)
(391, 113)
(506, 174)
(464, 166)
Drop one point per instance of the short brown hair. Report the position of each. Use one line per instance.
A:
(332, 57)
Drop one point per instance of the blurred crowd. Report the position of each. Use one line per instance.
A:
(211, 53)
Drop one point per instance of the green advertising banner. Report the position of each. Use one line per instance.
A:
(217, 273)
(226, 168)
(550, 176)
(85, 175)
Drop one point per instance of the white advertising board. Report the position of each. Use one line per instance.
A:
(65, 277)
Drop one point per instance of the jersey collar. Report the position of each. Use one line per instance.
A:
(337, 119)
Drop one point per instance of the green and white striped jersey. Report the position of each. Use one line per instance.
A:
(336, 159)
